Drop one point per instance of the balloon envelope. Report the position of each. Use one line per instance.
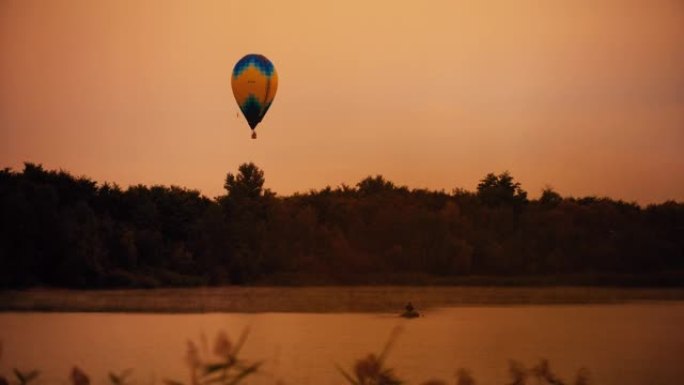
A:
(254, 83)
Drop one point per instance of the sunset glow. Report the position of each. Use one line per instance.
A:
(587, 97)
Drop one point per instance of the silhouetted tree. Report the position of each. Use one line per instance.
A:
(248, 184)
(374, 185)
(246, 206)
(550, 198)
(499, 190)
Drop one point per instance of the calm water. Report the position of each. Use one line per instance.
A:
(620, 344)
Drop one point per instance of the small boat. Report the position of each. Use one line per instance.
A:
(410, 312)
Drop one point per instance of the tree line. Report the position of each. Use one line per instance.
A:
(65, 231)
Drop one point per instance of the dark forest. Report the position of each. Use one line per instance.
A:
(58, 230)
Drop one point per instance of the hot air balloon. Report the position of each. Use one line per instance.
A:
(254, 83)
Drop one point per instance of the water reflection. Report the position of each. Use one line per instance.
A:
(620, 344)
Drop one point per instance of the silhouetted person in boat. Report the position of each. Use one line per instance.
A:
(410, 311)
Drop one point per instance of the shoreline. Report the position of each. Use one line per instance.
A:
(319, 299)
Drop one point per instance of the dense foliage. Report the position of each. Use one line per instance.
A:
(59, 230)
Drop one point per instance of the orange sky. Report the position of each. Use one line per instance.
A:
(585, 96)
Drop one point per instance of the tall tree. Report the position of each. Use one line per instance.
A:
(246, 209)
(498, 190)
(248, 184)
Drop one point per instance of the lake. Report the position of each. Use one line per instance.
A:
(626, 343)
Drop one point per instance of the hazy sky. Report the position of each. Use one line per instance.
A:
(585, 96)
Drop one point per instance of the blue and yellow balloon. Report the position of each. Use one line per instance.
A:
(254, 83)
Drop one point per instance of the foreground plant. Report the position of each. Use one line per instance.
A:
(542, 372)
(223, 368)
(371, 370)
(23, 378)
